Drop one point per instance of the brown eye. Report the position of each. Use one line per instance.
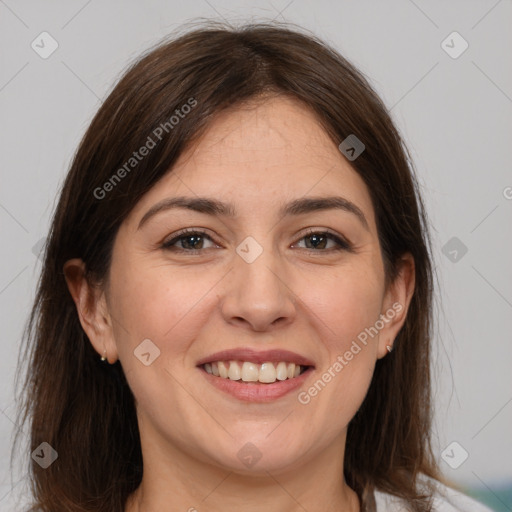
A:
(318, 240)
(189, 241)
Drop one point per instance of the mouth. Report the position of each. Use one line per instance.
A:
(255, 376)
(249, 372)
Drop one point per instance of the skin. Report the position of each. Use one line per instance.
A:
(311, 301)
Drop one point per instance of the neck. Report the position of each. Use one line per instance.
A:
(179, 481)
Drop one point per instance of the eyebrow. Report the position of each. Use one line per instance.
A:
(212, 206)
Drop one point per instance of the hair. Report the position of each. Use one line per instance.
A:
(84, 408)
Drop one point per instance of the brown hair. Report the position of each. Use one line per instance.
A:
(85, 409)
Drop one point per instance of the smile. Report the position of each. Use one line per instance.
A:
(253, 375)
(246, 371)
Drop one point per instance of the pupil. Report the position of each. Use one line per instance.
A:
(316, 237)
(195, 238)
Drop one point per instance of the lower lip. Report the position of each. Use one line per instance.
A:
(256, 391)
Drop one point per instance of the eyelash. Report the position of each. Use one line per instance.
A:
(344, 245)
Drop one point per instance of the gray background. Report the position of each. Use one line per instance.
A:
(455, 116)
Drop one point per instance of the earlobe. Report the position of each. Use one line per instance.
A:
(91, 309)
(396, 304)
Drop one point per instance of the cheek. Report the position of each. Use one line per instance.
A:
(346, 303)
(346, 307)
(157, 303)
(168, 307)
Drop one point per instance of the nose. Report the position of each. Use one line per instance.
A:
(259, 295)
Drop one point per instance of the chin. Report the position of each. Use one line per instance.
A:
(259, 454)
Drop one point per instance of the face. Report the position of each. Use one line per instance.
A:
(253, 284)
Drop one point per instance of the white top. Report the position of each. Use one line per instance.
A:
(445, 500)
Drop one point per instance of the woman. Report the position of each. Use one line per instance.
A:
(235, 305)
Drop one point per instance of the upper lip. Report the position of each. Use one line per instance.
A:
(256, 356)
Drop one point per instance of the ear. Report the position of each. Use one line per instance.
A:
(92, 309)
(396, 304)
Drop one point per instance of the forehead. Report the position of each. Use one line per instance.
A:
(278, 131)
(262, 154)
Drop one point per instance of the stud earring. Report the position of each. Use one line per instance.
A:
(103, 358)
(389, 347)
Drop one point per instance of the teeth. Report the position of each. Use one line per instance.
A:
(223, 370)
(234, 371)
(281, 371)
(267, 373)
(251, 372)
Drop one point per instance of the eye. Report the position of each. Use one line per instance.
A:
(319, 240)
(190, 240)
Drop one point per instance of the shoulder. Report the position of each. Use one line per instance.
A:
(445, 499)
(451, 500)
